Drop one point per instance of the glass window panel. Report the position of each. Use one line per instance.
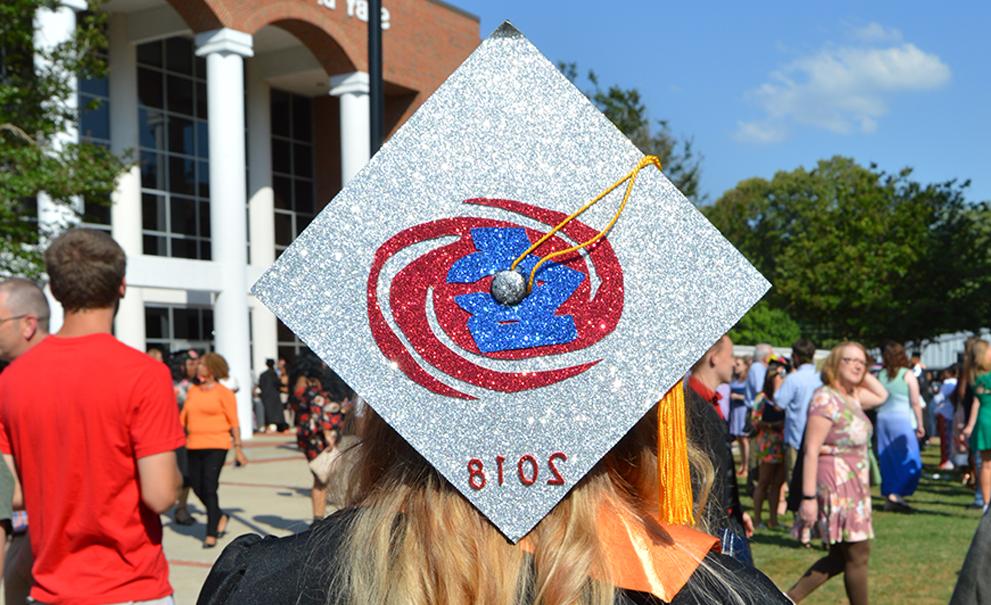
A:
(203, 179)
(181, 136)
(150, 53)
(303, 196)
(302, 222)
(282, 190)
(205, 249)
(301, 118)
(204, 218)
(182, 175)
(155, 245)
(184, 248)
(201, 108)
(280, 103)
(95, 86)
(152, 170)
(302, 160)
(180, 94)
(200, 66)
(96, 211)
(208, 324)
(202, 139)
(281, 158)
(151, 128)
(94, 122)
(156, 322)
(283, 229)
(179, 55)
(183, 213)
(287, 352)
(150, 90)
(186, 324)
(284, 333)
(153, 212)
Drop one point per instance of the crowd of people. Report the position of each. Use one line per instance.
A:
(812, 439)
(810, 434)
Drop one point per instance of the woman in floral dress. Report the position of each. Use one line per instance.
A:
(319, 420)
(835, 486)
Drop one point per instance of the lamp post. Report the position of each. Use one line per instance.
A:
(377, 97)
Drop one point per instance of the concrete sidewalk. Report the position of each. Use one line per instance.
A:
(269, 496)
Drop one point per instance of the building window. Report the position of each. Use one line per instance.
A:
(94, 127)
(292, 166)
(177, 328)
(175, 171)
(290, 347)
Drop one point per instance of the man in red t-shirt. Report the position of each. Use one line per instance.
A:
(92, 425)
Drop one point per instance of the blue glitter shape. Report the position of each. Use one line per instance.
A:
(532, 323)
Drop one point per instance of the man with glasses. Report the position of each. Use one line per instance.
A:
(24, 317)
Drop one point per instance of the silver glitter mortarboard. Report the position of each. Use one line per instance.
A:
(390, 284)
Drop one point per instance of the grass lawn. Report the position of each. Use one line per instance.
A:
(914, 558)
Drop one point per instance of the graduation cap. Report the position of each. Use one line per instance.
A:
(419, 284)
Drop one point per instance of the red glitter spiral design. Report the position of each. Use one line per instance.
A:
(594, 316)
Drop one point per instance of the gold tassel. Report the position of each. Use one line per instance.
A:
(675, 492)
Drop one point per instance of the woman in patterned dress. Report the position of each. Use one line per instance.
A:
(835, 486)
(319, 420)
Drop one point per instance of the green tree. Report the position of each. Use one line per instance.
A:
(855, 252)
(34, 109)
(763, 323)
(625, 109)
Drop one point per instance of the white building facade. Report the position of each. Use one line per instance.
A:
(244, 119)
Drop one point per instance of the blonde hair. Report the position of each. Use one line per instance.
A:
(978, 356)
(217, 365)
(415, 540)
(831, 367)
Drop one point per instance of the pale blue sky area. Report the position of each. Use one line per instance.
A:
(768, 86)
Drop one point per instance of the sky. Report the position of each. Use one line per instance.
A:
(767, 86)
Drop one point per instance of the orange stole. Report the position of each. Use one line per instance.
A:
(657, 560)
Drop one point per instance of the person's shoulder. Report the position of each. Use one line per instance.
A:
(723, 579)
(271, 571)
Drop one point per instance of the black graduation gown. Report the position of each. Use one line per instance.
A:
(295, 570)
(974, 582)
(268, 384)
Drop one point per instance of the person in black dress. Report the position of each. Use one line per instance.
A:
(269, 385)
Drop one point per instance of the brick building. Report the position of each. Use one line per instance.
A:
(246, 116)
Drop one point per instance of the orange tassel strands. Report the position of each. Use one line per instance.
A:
(675, 493)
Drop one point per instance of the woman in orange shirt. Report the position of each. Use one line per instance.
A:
(210, 419)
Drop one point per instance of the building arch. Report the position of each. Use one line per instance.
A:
(329, 41)
(335, 47)
(327, 50)
(199, 15)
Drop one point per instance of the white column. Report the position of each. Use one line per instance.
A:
(225, 50)
(125, 211)
(51, 28)
(261, 206)
(352, 90)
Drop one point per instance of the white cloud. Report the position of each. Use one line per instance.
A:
(875, 33)
(759, 131)
(840, 89)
